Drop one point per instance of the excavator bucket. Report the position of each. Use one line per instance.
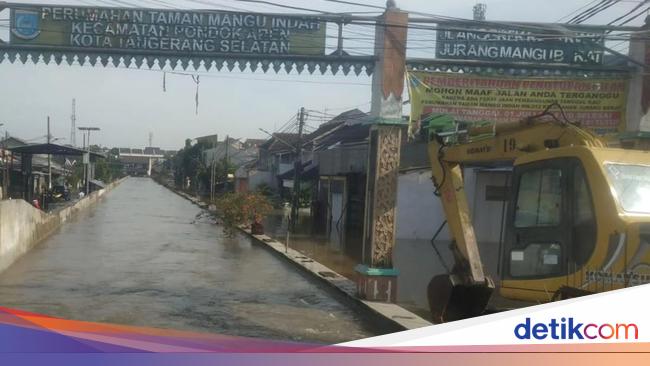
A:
(451, 298)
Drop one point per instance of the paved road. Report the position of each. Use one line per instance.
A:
(144, 256)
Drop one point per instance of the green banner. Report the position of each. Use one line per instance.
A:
(459, 41)
(197, 33)
(596, 103)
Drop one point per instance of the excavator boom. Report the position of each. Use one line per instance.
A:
(466, 291)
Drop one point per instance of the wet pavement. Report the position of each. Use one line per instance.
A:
(145, 256)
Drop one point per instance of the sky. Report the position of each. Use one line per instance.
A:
(129, 104)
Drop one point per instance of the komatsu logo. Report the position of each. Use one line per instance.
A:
(479, 150)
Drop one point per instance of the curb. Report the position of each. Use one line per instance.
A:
(391, 314)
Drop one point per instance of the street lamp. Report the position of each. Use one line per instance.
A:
(87, 163)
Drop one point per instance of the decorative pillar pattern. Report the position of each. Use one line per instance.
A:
(384, 199)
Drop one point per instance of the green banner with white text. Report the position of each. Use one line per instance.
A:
(596, 103)
(195, 33)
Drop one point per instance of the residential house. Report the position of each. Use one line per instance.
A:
(276, 156)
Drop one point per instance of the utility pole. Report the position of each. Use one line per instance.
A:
(297, 170)
(227, 150)
(83, 147)
(87, 157)
(49, 157)
(73, 124)
(7, 167)
(212, 178)
(227, 160)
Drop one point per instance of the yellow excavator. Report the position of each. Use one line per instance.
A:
(578, 218)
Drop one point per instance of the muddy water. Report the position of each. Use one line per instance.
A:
(144, 256)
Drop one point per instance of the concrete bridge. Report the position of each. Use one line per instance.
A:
(139, 162)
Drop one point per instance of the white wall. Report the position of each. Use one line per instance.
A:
(486, 215)
(419, 211)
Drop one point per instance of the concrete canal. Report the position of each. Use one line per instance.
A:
(144, 256)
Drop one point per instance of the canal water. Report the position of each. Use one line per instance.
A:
(145, 256)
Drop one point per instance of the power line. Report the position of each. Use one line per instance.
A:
(630, 12)
(371, 21)
(577, 10)
(356, 4)
(221, 5)
(587, 11)
(287, 125)
(284, 6)
(635, 17)
(160, 2)
(604, 5)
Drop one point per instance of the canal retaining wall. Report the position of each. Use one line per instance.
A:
(22, 226)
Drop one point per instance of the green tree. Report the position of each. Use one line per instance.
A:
(188, 163)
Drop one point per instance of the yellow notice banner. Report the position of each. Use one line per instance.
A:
(598, 104)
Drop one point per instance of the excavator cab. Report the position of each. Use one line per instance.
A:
(551, 225)
(578, 218)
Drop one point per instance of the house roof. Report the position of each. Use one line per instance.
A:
(254, 142)
(12, 141)
(351, 117)
(51, 149)
(345, 135)
(280, 142)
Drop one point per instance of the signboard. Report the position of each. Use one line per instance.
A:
(175, 31)
(598, 104)
(467, 42)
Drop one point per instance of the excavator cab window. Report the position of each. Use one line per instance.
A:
(551, 220)
(538, 216)
(539, 202)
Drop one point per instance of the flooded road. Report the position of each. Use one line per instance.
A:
(145, 256)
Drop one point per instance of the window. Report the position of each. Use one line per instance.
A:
(583, 211)
(536, 260)
(632, 186)
(539, 201)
